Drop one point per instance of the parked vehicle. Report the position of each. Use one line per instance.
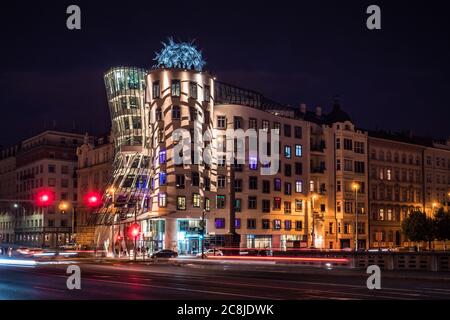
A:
(211, 252)
(166, 253)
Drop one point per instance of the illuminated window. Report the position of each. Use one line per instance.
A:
(162, 178)
(287, 207)
(162, 156)
(196, 200)
(287, 152)
(298, 205)
(388, 174)
(287, 224)
(277, 224)
(162, 199)
(175, 88)
(299, 186)
(298, 150)
(220, 202)
(237, 205)
(311, 186)
(253, 163)
(277, 203)
(207, 204)
(181, 203)
(219, 223)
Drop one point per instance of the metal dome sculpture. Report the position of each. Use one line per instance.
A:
(182, 55)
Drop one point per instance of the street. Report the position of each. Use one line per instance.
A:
(192, 281)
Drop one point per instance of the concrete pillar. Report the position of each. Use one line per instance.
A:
(243, 243)
(170, 234)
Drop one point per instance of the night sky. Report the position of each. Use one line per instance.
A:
(396, 78)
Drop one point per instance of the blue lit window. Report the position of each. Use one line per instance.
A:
(237, 223)
(277, 184)
(219, 223)
(298, 150)
(162, 178)
(287, 152)
(253, 163)
(162, 156)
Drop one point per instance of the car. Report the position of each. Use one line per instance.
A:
(166, 253)
(23, 250)
(211, 252)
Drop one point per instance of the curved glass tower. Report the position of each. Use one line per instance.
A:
(126, 197)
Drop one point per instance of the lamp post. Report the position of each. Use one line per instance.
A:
(355, 187)
(203, 233)
(313, 232)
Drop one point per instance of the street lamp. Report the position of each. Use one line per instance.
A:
(355, 186)
(313, 233)
(63, 207)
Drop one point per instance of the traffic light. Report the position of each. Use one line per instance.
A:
(93, 199)
(44, 198)
(135, 230)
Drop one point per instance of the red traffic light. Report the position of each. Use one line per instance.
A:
(44, 198)
(135, 230)
(93, 199)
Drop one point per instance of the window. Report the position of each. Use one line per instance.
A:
(298, 205)
(265, 224)
(162, 156)
(252, 202)
(238, 185)
(51, 168)
(64, 169)
(196, 200)
(359, 147)
(219, 223)
(265, 206)
(277, 184)
(338, 165)
(287, 170)
(251, 223)
(339, 186)
(277, 224)
(298, 225)
(207, 204)
(277, 203)
(287, 224)
(287, 207)
(51, 182)
(221, 182)
(298, 132)
(348, 207)
(287, 152)
(237, 223)
(175, 88)
(237, 205)
(207, 93)
(266, 186)
(359, 167)
(156, 89)
(338, 143)
(195, 179)
(237, 122)
(176, 113)
(158, 114)
(265, 125)
(348, 165)
(287, 188)
(193, 113)
(162, 178)
(162, 199)
(287, 130)
(298, 168)
(181, 203)
(221, 122)
(193, 89)
(252, 124)
(348, 144)
(180, 181)
(253, 163)
(299, 186)
(298, 150)
(253, 183)
(220, 202)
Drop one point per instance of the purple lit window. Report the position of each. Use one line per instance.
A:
(162, 156)
(219, 223)
(253, 163)
(277, 184)
(237, 223)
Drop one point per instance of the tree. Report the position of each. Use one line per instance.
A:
(418, 227)
(442, 225)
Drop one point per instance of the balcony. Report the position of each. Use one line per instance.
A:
(317, 148)
(320, 170)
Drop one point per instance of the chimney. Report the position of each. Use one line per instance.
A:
(303, 108)
(318, 111)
